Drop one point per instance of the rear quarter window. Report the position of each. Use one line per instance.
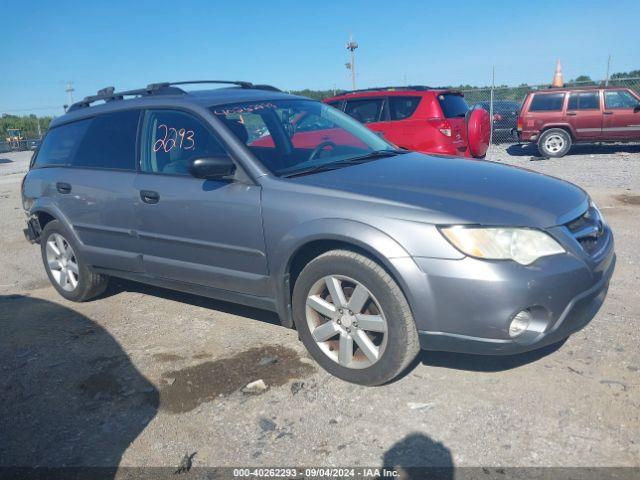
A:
(453, 105)
(60, 144)
(547, 102)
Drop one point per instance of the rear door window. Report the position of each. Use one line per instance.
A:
(547, 102)
(619, 99)
(402, 107)
(453, 105)
(584, 101)
(109, 142)
(60, 144)
(365, 110)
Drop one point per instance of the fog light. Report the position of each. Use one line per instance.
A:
(519, 323)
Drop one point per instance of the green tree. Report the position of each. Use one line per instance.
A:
(631, 74)
(27, 124)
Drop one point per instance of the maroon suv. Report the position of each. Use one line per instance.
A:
(558, 117)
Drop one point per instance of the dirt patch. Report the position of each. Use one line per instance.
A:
(185, 389)
(200, 356)
(167, 357)
(627, 199)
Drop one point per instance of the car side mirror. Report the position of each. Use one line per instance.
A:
(212, 168)
(637, 108)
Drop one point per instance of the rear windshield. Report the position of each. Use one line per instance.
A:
(547, 102)
(453, 105)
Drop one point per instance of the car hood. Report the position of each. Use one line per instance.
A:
(451, 190)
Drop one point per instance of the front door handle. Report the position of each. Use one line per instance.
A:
(149, 196)
(571, 114)
(63, 187)
(607, 113)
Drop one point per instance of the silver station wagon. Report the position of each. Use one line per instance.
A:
(250, 195)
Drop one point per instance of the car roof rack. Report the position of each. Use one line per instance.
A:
(390, 89)
(108, 94)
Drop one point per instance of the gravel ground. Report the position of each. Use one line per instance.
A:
(142, 375)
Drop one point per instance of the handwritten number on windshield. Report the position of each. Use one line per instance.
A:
(174, 138)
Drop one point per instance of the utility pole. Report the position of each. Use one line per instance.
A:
(606, 82)
(493, 86)
(39, 131)
(70, 91)
(351, 46)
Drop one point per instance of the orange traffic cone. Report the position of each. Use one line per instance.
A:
(557, 77)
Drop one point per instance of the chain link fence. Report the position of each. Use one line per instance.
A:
(504, 102)
(18, 146)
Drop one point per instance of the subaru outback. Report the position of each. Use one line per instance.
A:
(369, 251)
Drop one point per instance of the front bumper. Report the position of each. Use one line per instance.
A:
(33, 230)
(472, 301)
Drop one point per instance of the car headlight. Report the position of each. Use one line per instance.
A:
(524, 245)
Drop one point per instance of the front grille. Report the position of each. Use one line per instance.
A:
(588, 230)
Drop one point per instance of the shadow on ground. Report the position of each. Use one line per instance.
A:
(70, 394)
(459, 361)
(417, 456)
(5, 160)
(118, 285)
(530, 149)
(485, 363)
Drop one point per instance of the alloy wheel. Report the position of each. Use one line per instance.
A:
(346, 321)
(554, 143)
(62, 262)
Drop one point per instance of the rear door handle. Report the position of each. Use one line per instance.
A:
(149, 196)
(63, 187)
(607, 113)
(571, 113)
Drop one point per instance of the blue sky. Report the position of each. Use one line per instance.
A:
(298, 44)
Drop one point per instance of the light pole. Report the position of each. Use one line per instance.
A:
(351, 46)
(70, 91)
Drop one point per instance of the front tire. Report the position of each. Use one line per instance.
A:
(67, 271)
(353, 318)
(554, 143)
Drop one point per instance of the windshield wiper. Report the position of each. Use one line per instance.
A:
(346, 162)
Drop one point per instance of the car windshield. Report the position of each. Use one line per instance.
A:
(292, 137)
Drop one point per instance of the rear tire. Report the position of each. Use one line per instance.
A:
(555, 143)
(374, 339)
(67, 271)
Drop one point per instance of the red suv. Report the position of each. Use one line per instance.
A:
(420, 118)
(558, 117)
